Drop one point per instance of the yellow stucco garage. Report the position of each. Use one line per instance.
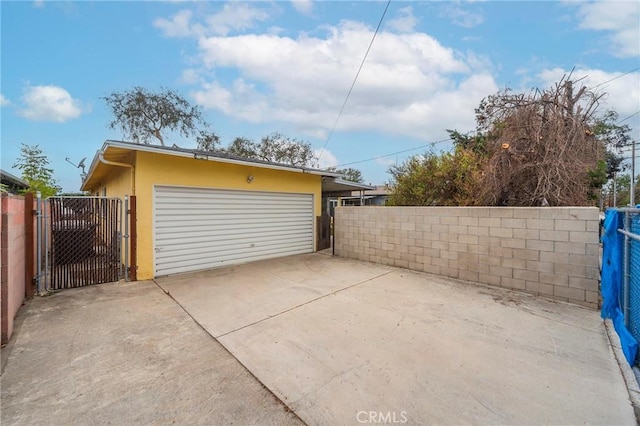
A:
(199, 210)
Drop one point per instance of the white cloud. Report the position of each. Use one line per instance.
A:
(620, 19)
(622, 94)
(4, 101)
(190, 76)
(303, 6)
(233, 16)
(178, 26)
(38, 3)
(462, 17)
(327, 159)
(410, 85)
(405, 22)
(49, 103)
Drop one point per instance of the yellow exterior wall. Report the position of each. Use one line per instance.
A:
(118, 183)
(158, 169)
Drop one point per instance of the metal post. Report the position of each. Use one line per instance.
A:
(626, 266)
(615, 199)
(632, 197)
(46, 222)
(125, 218)
(38, 241)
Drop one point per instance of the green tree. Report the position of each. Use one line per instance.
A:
(275, 148)
(447, 179)
(145, 116)
(350, 174)
(477, 143)
(34, 165)
(207, 140)
(612, 136)
(622, 189)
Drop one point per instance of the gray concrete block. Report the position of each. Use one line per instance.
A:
(514, 223)
(526, 212)
(525, 274)
(584, 283)
(546, 235)
(514, 283)
(478, 230)
(577, 248)
(513, 263)
(513, 243)
(526, 254)
(539, 288)
(570, 225)
(500, 271)
(569, 292)
(583, 237)
(468, 275)
(501, 232)
(557, 280)
(547, 224)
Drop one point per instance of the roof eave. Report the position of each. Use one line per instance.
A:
(212, 157)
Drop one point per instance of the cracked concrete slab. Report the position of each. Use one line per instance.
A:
(339, 341)
(125, 353)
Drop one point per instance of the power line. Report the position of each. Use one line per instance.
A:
(449, 139)
(615, 78)
(395, 153)
(626, 118)
(335, 123)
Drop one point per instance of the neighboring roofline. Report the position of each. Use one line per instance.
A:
(353, 197)
(13, 179)
(361, 186)
(203, 155)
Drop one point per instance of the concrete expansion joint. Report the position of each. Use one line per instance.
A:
(273, 394)
(306, 303)
(627, 373)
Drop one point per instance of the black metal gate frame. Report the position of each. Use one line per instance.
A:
(44, 238)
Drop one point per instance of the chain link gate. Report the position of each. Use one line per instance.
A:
(80, 242)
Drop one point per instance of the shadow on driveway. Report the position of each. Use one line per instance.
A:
(125, 353)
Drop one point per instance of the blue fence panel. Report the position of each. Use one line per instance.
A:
(634, 278)
(613, 270)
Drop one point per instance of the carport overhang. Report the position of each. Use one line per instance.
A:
(336, 187)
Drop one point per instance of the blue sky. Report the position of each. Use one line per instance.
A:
(260, 67)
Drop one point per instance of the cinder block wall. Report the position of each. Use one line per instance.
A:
(548, 251)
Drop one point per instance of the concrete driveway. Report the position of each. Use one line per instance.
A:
(345, 342)
(126, 354)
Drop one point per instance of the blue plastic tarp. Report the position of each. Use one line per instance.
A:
(611, 288)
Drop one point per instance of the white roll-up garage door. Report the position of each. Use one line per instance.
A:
(203, 228)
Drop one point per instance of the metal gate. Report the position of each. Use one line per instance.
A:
(80, 241)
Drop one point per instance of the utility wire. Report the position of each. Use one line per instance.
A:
(615, 78)
(449, 139)
(395, 153)
(335, 123)
(626, 118)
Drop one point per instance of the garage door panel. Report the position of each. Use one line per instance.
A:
(200, 228)
(213, 231)
(206, 261)
(180, 241)
(227, 251)
(237, 218)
